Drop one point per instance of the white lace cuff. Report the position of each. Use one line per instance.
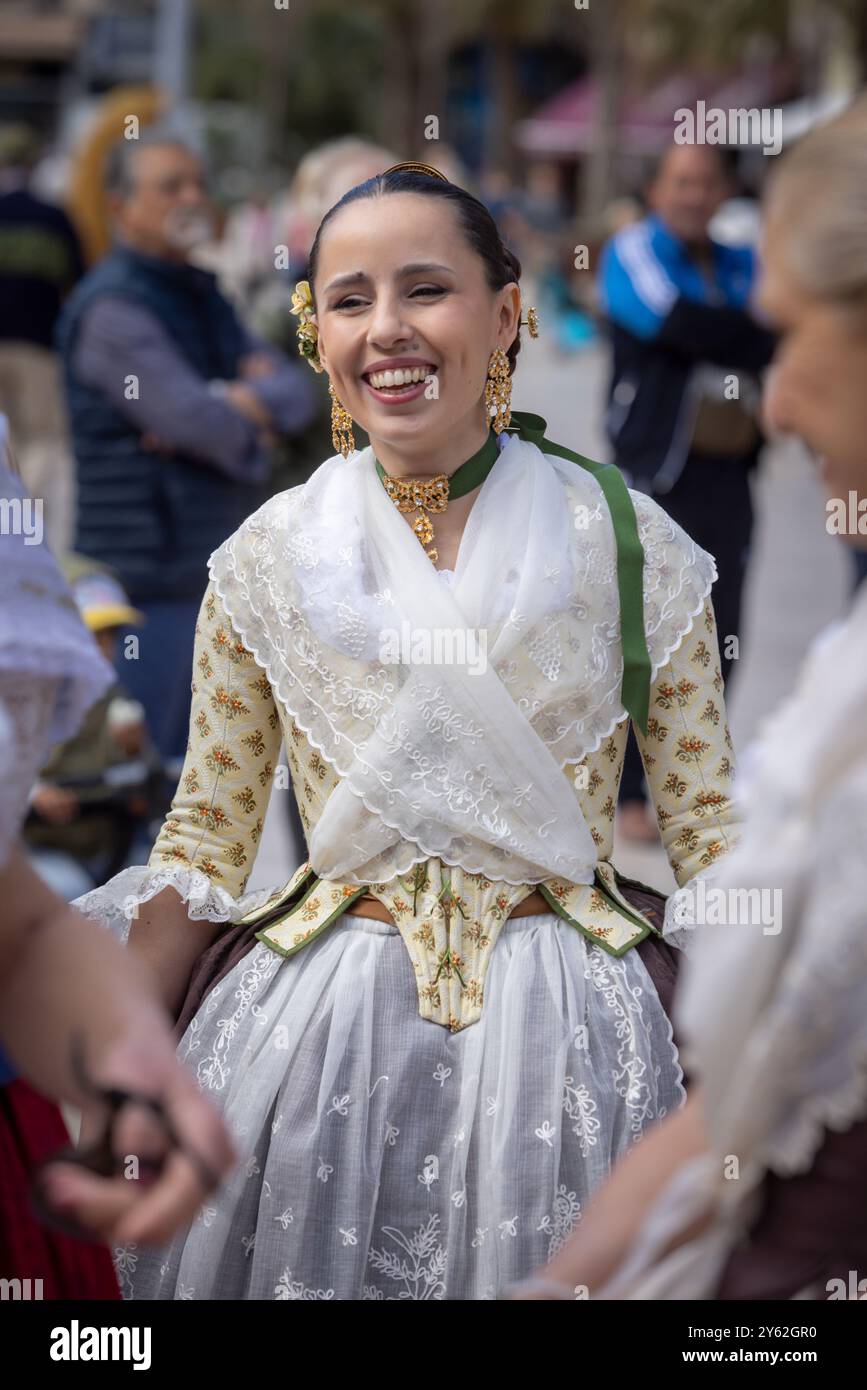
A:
(116, 904)
(684, 910)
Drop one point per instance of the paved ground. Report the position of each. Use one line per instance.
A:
(799, 578)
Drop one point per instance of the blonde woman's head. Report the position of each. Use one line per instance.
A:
(814, 289)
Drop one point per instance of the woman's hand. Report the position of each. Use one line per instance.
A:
(81, 1018)
(165, 1153)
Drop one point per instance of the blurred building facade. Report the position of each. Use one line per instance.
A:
(53, 52)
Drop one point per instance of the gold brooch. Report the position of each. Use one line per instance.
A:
(424, 495)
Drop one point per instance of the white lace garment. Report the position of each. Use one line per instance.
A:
(51, 670)
(775, 1023)
(382, 1157)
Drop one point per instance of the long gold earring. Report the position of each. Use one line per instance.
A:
(498, 391)
(341, 426)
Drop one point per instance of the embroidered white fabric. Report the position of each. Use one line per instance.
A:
(383, 1158)
(440, 759)
(774, 1022)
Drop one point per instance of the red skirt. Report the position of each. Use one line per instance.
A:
(31, 1129)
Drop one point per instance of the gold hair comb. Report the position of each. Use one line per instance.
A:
(412, 166)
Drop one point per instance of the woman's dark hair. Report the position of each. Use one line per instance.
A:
(501, 265)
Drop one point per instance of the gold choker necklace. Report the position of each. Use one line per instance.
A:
(433, 494)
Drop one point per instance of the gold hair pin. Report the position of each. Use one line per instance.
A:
(532, 322)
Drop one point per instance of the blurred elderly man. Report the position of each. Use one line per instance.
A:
(173, 406)
(683, 405)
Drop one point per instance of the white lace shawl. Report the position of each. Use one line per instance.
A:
(440, 759)
(51, 670)
(775, 1025)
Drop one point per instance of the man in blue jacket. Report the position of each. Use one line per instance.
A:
(172, 406)
(682, 414)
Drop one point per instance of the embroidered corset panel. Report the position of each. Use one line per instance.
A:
(449, 919)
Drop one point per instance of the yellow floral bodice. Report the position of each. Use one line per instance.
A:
(449, 919)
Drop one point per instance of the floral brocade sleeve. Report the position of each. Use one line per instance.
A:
(687, 754)
(216, 817)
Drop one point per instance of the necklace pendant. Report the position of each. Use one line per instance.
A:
(423, 528)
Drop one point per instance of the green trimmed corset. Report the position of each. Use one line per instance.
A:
(449, 919)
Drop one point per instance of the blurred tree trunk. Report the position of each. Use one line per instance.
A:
(858, 22)
(500, 150)
(278, 36)
(607, 60)
(396, 106)
(432, 43)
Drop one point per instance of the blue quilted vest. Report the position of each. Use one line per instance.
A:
(154, 517)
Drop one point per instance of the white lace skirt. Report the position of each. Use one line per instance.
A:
(383, 1157)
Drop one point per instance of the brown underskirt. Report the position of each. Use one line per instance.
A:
(811, 1228)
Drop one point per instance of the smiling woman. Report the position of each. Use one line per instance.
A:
(428, 1087)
